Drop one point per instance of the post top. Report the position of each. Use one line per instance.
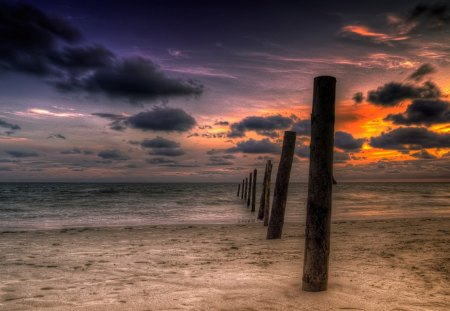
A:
(325, 78)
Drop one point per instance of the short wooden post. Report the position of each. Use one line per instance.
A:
(242, 192)
(276, 221)
(249, 190)
(255, 173)
(267, 198)
(263, 196)
(245, 191)
(239, 188)
(318, 210)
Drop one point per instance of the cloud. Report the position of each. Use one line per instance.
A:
(80, 59)
(168, 152)
(22, 153)
(29, 37)
(302, 127)
(262, 125)
(347, 142)
(159, 142)
(163, 119)
(112, 154)
(222, 123)
(358, 97)
(255, 146)
(160, 160)
(223, 160)
(77, 150)
(412, 138)
(364, 32)
(423, 112)
(423, 154)
(59, 136)
(7, 125)
(135, 79)
(393, 93)
(421, 72)
(158, 119)
(340, 156)
(434, 16)
(302, 150)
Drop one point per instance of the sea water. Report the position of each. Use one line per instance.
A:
(29, 206)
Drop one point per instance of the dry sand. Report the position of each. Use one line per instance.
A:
(376, 265)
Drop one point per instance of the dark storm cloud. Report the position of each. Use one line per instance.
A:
(112, 154)
(347, 142)
(423, 112)
(262, 125)
(358, 97)
(158, 119)
(423, 154)
(412, 138)
(8, 125)
(302, 127)
(162, 119)
(435, 15)
(393, 93)
(134, 79)
(255, 146)
(29, 36)
(159, 142)
(76, 59)
(22, 153)
(421, 72)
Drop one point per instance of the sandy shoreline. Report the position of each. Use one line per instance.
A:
(374, 265)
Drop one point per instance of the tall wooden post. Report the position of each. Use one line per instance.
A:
(239, 188)
(249, 190)
(281, 186)
(267, 195)
(246, 186)
(242, 192)
(255, 173)
(263, 196)
(318, 210)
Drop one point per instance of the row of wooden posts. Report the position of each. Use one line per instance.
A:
(318, 207)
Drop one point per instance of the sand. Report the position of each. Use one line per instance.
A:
(376, 265)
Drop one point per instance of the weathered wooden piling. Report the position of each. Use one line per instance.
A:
(246, 186)
(239, 188)
(263, 196)
(255, 173)
(249, 190)
(281, 187)
(267, 195)
(242, 192)
(318, 210)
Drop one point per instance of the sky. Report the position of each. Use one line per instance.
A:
(202, 91)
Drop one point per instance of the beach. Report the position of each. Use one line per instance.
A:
(399, 264)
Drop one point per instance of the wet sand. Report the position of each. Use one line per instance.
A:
(374, 265)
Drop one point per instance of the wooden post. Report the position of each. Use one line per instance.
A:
(281, 186)
(318, 210)
(267, 197)
(249, 190)
(245, 191)
(239, 188)
(263, 196)
(255, 173)
(242, 192)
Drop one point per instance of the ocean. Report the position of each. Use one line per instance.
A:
(30, 206)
